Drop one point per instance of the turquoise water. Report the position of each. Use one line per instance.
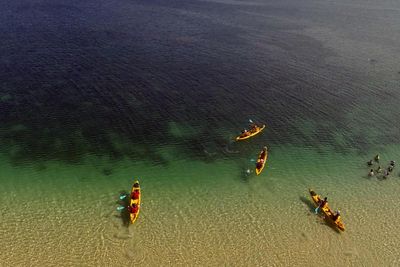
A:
(94, 95)
(194, 209)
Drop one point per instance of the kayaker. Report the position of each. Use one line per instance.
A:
(371, 172)
(392, 162)
(336, 216)
(390, 168)
(369, 162)
(321, 205)
(136, 184)
(386, 174)
(135, 194)
(134, 208)
(376, 158)
(244, 133)
(260, 164)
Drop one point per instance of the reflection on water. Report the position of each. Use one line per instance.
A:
(77, 82)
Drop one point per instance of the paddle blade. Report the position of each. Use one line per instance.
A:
(121, 197)
(316, 210)
(120, 208)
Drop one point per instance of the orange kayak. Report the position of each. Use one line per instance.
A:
(327, 211)
(252, 132)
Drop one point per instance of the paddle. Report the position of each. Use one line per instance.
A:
(316, 210)
(121, 197)
(251, 121)
(319, 205)
(120, 208)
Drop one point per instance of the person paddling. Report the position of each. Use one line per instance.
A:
(264, 151)
(379, 170)
(321, 205)
(135, 194)
(260, 164)
(336, 216)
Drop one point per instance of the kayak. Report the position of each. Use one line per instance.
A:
(262, 159)
(134, 216)
(250, 133)
(326, 210)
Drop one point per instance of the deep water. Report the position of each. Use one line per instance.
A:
(113, 78)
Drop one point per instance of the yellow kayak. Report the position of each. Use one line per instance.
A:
(250, 133)
(327, 211)
(262, 160)
(134, 215)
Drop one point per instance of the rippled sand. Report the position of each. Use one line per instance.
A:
(201, 214)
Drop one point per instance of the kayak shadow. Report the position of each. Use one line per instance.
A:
(124, 202)
(308, 202)
(325, 221)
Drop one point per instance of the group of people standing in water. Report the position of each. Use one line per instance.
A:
(261, 160)
(385, 173)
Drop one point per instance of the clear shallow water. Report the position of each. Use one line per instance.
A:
(199, 213)
(93, 94)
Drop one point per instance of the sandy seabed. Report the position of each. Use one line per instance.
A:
(210, 216)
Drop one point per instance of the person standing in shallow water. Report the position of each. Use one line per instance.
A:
(386, 174)
(371, 172)
(135, 194)
(376, 158)
(264, 151)
(390, 168)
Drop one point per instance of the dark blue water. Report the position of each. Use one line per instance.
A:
(77, 77)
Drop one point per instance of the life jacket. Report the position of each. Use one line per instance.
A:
(135, 194)
(135, 209)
